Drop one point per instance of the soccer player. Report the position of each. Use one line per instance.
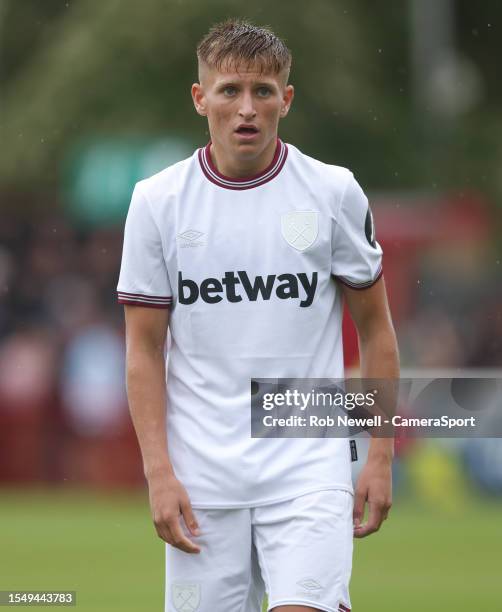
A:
(235, 264)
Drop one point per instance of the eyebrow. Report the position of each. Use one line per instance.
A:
(234, 83)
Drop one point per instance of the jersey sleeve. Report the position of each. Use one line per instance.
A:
(356, 255)
(144, 280)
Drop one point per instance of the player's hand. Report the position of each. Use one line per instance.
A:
(168, 502)
(374, 487)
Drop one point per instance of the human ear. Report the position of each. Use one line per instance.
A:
(287, 99)
(199, 99)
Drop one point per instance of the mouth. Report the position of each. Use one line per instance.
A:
(247, 131)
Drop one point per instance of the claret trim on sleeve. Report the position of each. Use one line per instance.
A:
(366, 285)
(138, 299)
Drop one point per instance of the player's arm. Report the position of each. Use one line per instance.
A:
(379, 359)
(146, 330)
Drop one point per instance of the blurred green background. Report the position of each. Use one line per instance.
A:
(405, 92)
(95, 96)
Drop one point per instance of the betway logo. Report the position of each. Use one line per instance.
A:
(235, 286)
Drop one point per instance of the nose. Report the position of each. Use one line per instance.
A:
(247, 110)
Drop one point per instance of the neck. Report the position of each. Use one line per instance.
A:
(233, 167)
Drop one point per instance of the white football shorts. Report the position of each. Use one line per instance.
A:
(299, 551)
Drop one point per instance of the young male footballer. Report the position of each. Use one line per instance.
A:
(246, 252)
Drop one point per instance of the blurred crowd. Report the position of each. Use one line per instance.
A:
(63, 408)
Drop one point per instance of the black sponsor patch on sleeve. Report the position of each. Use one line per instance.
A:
(369, 229)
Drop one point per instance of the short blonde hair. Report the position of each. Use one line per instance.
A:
(235, 43)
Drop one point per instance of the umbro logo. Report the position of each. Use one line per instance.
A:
(190, 238)
(309, 584)
(310, 588)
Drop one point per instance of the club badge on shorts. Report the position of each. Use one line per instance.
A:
(186, 596)
(300, 228)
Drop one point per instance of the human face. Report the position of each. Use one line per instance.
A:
(243, 107)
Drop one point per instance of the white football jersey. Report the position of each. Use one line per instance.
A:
(250, 269)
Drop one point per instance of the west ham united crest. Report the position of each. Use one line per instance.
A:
(300, 228)
(186, 596)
